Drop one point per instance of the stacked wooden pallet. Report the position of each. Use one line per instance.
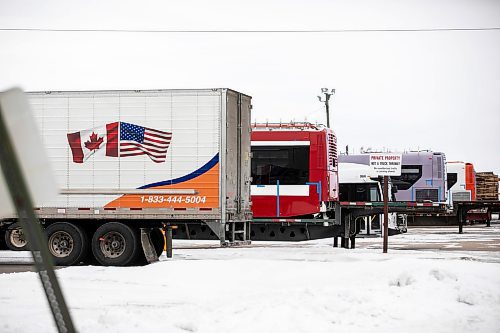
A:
(486, 186)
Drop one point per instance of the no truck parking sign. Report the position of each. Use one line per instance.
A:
(386, 164)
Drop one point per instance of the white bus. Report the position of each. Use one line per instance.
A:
(358, 184)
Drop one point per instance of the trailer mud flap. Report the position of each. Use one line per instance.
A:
(147, 246)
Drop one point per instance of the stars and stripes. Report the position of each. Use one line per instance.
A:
(137, 140)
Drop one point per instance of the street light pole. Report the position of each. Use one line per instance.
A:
(327, 103)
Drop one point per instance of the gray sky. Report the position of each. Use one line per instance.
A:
(398, 90)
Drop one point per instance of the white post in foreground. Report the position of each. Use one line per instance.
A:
(26, 177)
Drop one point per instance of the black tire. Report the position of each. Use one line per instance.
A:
(3, 246)
(158, 240)
(15, 238)
(68, 243)
(115, 244)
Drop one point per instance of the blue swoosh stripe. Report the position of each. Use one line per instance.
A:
(209, 165)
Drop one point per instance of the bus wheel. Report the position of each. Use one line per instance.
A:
(15, 238)
(115, 244)
(67, 243)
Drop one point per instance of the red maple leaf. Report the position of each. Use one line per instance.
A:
(94, 142)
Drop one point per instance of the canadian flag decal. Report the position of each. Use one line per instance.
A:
(100, 140)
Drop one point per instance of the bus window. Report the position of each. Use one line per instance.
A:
(374, 194)
(410, 174)
(452, 179)
(439, 167)
(359, 192)
(288, 164)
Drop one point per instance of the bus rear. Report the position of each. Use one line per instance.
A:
(423, 175)
(294, 170)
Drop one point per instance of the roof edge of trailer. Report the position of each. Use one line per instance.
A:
(56, 92)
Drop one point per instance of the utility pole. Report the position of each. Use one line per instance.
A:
(327, 103)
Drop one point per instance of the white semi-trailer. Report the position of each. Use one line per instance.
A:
(130, 162)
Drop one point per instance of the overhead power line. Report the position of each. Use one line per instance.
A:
(251, 31)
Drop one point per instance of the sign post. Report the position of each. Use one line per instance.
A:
(386, 165)
(386, 213)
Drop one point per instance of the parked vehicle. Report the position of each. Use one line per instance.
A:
(461, 179)
(294, 170)
(423, 175)
(359, 185)
(130, 162)
(294, 181)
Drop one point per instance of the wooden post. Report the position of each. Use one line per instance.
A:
(460, 216)
(386, 212)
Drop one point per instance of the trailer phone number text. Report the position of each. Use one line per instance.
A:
(193, 199)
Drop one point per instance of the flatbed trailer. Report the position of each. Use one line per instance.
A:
(295, 229)
(408, 207)
(352, 210)
(458, 213)
(344, 225)
(461, 208)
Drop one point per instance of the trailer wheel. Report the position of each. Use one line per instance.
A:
(15, 238)
(115, 244)
(67, 243)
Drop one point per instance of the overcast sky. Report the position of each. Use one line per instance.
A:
(437, 90)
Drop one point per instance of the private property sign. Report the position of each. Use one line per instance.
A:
(386, 164)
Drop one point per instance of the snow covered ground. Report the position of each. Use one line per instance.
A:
(279, 287)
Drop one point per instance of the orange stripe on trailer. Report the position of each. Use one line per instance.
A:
(206, 186)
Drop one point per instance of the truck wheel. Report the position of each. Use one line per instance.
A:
(158, 240)
(115, 244)
(67, 243)
(15, 238)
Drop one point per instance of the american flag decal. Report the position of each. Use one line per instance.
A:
(137, 140)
